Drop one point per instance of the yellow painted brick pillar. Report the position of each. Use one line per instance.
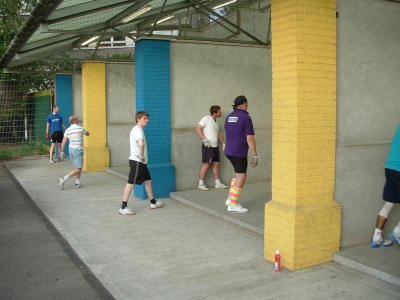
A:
(302, 220)
(97, 156)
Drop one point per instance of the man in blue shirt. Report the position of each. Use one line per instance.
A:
(54, 131)
(239, 138)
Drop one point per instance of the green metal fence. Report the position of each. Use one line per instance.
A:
(23, 114)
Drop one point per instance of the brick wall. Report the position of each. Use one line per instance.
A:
(94, 117)
(302, 220)
(152, 68)
(63, 92)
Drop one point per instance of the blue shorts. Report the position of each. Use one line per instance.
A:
(76, 156)
(391, 190)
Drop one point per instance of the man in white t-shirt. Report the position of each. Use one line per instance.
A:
(139, 172)
(74, 134)
(208, 131)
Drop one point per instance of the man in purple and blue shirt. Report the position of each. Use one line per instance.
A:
(239, 138)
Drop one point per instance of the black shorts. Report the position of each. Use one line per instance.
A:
(138, 172)
(57, 136)
(391, 190)
(239, 163)
(209, 155)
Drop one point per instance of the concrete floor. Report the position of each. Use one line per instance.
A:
(381, 263)
(191, 251)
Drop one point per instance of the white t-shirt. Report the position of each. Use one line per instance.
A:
(210, 130)
(136, 134)
(75, 135)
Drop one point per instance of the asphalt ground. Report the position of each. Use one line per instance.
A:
(36, 262)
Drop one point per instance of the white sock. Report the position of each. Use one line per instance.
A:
(201, 182)
(396, 230)
(65, 177)
(377, 235)
(77, 181)
(217, 182)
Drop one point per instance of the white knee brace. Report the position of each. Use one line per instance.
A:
(387, 207)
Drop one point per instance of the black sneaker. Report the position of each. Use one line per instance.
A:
(60, 159)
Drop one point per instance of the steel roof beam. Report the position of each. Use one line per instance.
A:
(227, 21)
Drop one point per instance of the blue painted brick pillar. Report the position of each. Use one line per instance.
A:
(152, 68)
(63, 92)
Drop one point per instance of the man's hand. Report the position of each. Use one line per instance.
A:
(141, 158)
(254, 161)
(207, 143)
(47, 136)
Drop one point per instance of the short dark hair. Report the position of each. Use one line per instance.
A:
(140, 115)
(214, 109)
(239, 100)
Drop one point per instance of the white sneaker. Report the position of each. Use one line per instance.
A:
(78, 185)
(380, 243)
(203, 188)
(126, 211)
(221, 186)
(237, 209)
(51, 161)
(158, 204)
(61, 180)
(227, 202)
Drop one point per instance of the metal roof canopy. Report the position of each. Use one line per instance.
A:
(59, 26)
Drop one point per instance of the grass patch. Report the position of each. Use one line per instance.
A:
(30, 148)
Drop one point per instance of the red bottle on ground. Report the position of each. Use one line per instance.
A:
(277, 261)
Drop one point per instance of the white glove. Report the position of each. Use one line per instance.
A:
(207, 143)
(254, 161)
(223, 147)
(141, 158)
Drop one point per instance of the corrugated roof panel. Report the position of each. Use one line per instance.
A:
(50, 50)
(38, 36)
(69, 3)
(87, 20)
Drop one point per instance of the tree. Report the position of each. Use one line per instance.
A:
(13, 14)
(24, 80)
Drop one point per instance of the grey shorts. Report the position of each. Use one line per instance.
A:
(76, 156)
